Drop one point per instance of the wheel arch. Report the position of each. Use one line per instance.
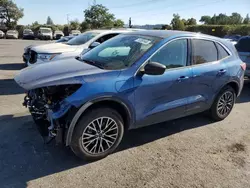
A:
(110, 102)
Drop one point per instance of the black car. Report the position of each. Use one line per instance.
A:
(28, 34)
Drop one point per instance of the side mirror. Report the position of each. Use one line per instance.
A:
(154, 68)
(94, 44)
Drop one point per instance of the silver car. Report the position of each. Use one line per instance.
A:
(12, 34)
(1, 34)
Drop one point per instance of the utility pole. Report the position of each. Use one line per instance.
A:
(130, 23)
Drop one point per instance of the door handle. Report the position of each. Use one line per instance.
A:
(182, 78)
(222, 71)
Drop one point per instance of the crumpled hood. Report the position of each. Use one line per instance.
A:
(55, 48)
(59, 72)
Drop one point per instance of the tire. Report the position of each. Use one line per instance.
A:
(228, 95)
(91, 149)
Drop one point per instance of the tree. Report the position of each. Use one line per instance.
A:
(10, 13)
(191, 21)
(177, 23)
(246, 20)
(184, 21)
(166, 27)
(206, 19)
(49, 21)
(98, 16)
(235, 18)
(74, 24)
(118, 23)
(84, 26)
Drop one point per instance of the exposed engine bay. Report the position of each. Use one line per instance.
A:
(42, 102)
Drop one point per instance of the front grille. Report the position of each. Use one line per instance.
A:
(33, 57)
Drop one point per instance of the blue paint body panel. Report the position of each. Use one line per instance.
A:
(152, 99)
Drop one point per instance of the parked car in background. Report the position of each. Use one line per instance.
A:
(74, 47)
(1, 34)
(243, 48)
(45, 33)
(28, 34)
(65, 39)
(232, 41)
(12, 34)
(75, 32)
(58, 34)
(130, 81)
(233, 37)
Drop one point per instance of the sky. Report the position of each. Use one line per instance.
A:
(141, 11)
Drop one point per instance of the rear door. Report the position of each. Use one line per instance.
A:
(243, 48)
(210, 73)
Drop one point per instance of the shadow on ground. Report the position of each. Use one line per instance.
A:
(12, 66)
(10, 87)
(24, 157)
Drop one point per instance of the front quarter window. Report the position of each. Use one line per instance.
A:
(120, 52)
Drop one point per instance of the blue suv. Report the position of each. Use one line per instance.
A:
(130, 81)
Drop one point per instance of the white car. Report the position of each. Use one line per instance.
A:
(1, 34)
(34, 55)
(75, 32)
(12, 34)
(58, 34)
(45, 33)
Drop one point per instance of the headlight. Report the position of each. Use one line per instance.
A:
(46, 57)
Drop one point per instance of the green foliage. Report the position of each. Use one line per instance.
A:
(10, 13)
(84, 26)
(191, 21)
(222, 19)
(246, 20)
(177, 23)
(166, 27)
(98, 16)
(74, 24)
(118, 23)
(220, 30)
(49, 21)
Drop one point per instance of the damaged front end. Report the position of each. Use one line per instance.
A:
(50, 110)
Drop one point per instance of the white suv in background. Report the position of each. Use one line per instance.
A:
(50, 52)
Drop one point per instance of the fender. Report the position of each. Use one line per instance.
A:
(87, 105)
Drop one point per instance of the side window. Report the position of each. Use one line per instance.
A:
(172, 55)
(203, 51)
(222, 52)
(106, 37)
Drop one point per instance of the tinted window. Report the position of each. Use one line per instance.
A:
(243, 45)
(222, 52)
(173, 54)
(203, 51)
(106, 37)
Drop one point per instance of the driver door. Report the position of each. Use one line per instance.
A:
(164, 97)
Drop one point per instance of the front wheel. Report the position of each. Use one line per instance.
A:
(223, 103)
(97, 134)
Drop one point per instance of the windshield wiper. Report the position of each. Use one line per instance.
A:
(92, 63)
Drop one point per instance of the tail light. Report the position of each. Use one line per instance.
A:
(243, 66)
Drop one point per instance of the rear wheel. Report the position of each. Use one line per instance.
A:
(97, 134)
(223, 103)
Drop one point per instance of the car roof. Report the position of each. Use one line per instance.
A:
(245, 37)
(169, 33)
(106, 31)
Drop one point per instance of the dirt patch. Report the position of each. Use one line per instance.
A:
(237, 147)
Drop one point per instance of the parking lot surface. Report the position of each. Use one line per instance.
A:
(189, 152)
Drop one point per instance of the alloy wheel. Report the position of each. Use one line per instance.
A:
(225, 103)
(99, 135)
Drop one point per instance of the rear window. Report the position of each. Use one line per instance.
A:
(203, 51)
(243, 45)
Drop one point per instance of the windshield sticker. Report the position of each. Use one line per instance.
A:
(143, 41)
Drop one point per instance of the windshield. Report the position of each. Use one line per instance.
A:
(27, 31)
(83, 38)
(45, 30)
(75, 32)
(12, 31)
(119, 52)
